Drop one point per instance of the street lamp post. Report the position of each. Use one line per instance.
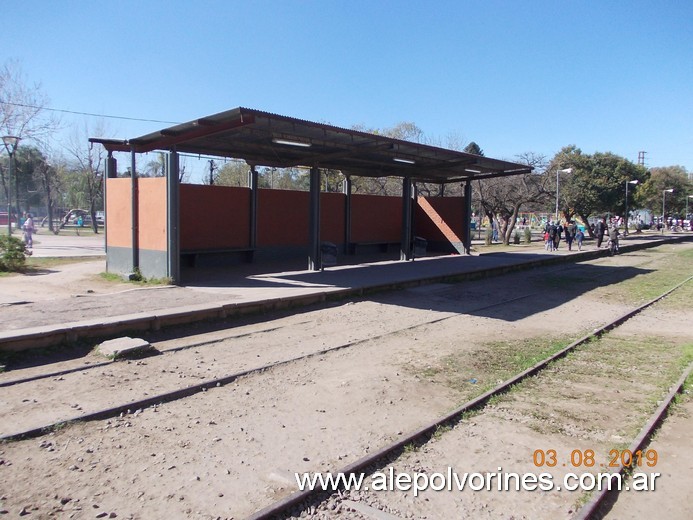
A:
(664, 194)
(625, 218)
(566, 170)
(10, 142)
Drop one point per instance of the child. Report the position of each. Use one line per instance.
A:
(548, 241)
(579, 236)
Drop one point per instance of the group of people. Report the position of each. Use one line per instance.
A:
(554, 230)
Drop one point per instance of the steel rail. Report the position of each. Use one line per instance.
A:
(188, 391)
(592, 508)
(424, 433)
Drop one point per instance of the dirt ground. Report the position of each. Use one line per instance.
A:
(407, 358)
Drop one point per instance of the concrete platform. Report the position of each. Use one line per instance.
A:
(223, 293)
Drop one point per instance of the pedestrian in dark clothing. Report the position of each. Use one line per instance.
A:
(550, 231)
(557, 236)
(600, 230)
(570, 231)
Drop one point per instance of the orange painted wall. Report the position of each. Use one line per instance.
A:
(375, 218)
(118, 213)
(214, 217)
(439, 219)
(152, 213)
(332, 206)
(218, 216)
(282, 217)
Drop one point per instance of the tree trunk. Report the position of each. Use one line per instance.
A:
(588, 228)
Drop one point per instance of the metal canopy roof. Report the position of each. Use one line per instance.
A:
(262, 138)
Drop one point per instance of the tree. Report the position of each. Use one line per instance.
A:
(233, 173)
(22, 106)
(29, 162)
(22, 114)
(650, 193)
(87, 165)
(156, 168)
(596, 184)
(503, 197)
(404, 131)
(473, 148)
(49, 178)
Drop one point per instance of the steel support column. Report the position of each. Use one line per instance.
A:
(347, 214)
(467, 218)
(134, 211)
(405, 250)
(314, 261)
(111, 172)
(173, 217)
(253, 185)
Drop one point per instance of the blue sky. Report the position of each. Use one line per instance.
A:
(513, 76)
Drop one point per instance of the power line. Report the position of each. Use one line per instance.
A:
(91, 114)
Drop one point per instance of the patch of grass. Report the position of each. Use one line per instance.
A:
(60, 426)
(411, 448)
(44, 263)
(440, 431)
(471, 373)
(111, 277)
(667, 270)
(141, 281)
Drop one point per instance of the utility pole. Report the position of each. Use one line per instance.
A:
(641, 158)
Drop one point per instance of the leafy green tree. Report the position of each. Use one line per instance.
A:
(596, 184)
(12, 253)
(473, 148)
(650, 193)
(233, 173)
(29, 161)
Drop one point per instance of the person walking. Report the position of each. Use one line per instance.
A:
(600, 230)
(570, 234)
(29, 229)
(557, 236)
(550, 234)
(613, 238)
(579, 237)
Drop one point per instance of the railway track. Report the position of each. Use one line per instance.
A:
(211, 344)
(168, 349)
(309, 499)
(187, 391)
(161, 347)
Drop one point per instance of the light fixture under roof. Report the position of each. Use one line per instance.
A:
(291, 142)
(404, 161)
